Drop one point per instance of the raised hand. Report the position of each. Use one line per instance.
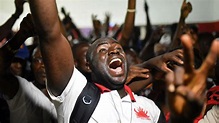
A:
(172, 59)
(27, 26)
(9, 48)
(97, 25)
(63, 11)
(145, 6)
(186, 8)
(19, 7)
(157, 34)
(186, 85)
(94, 17)
(137, 72)
(107, 16)
(106, 22)
(161, 63)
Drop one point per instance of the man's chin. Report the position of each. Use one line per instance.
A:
(117, 87)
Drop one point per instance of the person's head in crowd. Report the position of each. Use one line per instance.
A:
(204, 41)
(194, 31)
(79, 52)
(159, 49)
(165, 38)
(97, 24)
(191, 28)
(38, 68)
(108, 63)
(18, 65)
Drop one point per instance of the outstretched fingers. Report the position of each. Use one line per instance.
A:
(170, 82)
(211, 58)
(188, 53)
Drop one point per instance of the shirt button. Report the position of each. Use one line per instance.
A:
(61, 99)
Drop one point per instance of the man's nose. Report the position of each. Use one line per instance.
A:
(113, 51)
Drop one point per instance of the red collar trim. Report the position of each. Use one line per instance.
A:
(102, 88)
(127, 89)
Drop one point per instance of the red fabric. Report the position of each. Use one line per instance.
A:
(197, 119)
(102, 88)
(209, 27)
(213, 96)
(75, 34)
(167, 116)
(127, 89)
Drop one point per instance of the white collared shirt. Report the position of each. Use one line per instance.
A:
(110, 109)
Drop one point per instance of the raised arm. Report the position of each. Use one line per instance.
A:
(186, 86)
(55, 48)
(71, 26)
(106, 23)
(148, 50)
(138, 78)
(128, 24)
(165, 62)
(7, 26)
(155, 68)
(148, 27)
(186, 8)
(8, 83)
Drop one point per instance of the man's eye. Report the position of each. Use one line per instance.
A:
(37, 60)
(119, 49)
(102, 50)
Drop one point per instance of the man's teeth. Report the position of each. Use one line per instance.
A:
(117, 59)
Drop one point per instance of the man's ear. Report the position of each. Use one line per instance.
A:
(88, 67)
(76, 63)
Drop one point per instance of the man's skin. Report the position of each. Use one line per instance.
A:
(38, 68)
(53, 44)
(5, 29)
(10, 87)
(59, 69)
(79, 51)
(186, 9)
(108, 63)
(186, 86)
(9, 84)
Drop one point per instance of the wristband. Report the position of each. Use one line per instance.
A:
(131, 10)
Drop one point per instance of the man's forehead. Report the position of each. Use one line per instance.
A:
(104, 41)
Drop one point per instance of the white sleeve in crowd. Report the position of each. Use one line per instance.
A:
(212, 116)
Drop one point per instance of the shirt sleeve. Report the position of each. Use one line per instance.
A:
(212, 115)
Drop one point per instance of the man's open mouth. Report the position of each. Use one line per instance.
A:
(115, 66)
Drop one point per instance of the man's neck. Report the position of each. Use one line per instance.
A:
(122, 92)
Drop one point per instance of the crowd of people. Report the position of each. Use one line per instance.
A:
(170, 76)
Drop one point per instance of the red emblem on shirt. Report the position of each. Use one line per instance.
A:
(142, 114)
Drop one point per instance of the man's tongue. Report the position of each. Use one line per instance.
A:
(115, 65)
(117, 70)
